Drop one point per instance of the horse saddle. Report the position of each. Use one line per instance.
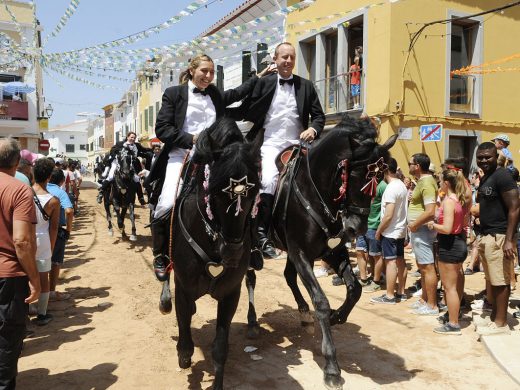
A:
(285, 156)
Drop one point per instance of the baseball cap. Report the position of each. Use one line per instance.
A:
(28, 155)
(432, 168)
(502, 137)
(58, 160)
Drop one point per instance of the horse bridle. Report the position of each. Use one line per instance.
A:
(212, 232)
(333, 241)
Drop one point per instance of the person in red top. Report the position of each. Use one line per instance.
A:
(19, 278)
(452, 244)
(355, 82)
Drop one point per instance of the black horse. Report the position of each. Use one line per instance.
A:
(212, 234)
(122, 194)
(318, 208)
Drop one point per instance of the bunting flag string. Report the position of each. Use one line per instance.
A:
(210, 38)
(479, 69)
(90, 73)
(71, 9)
(133, 38)
(84, 81)
(15, 22)
(58, 82)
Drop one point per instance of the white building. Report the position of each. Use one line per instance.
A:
(69, 141)
(19, 118)
(96, 135)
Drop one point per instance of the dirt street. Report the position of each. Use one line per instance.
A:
(111, 334)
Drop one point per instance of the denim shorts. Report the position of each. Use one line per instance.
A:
(374, 246)
(392, 248)
(354, 89)
(361, 244)
(58, 254)
(422, 245)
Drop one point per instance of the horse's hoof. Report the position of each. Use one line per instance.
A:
(184, 362)
(165, 307)
(133, 237)
(333, 382)
(253, 332)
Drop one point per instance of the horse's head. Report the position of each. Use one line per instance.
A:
(230, 185)
(126, 167)
(353, 147)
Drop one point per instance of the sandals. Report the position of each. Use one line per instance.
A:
(468, 271)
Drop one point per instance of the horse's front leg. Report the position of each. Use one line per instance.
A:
(184, 310)
(307, 321)
(341, 264)
(226, 310)
(106, 202)
(253, 329)
(332, 373)
(131, 211)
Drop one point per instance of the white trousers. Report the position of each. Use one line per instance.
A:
(269, 169)
(112, 171)
(172, 177)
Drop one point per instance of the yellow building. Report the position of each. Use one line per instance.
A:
(149, 101)
(406, 81)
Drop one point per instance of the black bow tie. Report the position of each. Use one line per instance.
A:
(288, 81)
(202, 92)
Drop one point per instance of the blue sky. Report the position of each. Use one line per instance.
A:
(98, 21)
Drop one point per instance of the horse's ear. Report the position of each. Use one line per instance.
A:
(257, 142)
(390, 142)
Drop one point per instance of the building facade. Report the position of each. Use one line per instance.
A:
(408, 83)
(69, 141)
(19, 113)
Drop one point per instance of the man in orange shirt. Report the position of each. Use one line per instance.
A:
(19, 278)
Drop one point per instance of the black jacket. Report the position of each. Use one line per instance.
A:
(307, 102)
(171, 117)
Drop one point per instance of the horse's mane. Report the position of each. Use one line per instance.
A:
(362, 131)
(223, 142)
(215, 138)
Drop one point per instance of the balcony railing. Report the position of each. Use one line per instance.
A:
(336, 94)
(13, 110)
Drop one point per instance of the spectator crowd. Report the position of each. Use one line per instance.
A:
(445, 219)
(38, 201)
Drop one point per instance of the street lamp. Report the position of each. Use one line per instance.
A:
(49, 110)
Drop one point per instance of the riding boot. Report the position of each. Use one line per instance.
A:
(265, 209)
(160, 245)
(140, 195)
(104, 186)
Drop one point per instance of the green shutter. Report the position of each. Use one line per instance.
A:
(145, 119)
(150, 116)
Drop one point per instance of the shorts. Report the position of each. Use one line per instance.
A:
(422, 245)
(452, 248)
(58, 254)
(361, 244)
(354, 89)
(44, 265)
(496, 267)
(392, 248)
(374, 246)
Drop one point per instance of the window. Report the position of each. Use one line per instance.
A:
(146, 119)
(71, 137)
(83, 147)
(157, 107)
(118, 137)
(465, 48)
(91, 148)
(326, 58)
(69, 148)
(150, 116)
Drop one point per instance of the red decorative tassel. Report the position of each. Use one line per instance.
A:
(371, 187)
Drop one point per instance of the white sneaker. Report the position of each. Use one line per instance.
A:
(493, 329)
(418, 293)
(321, 272)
